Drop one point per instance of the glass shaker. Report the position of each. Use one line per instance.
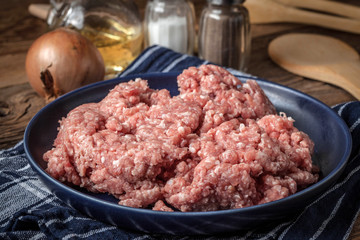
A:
(114, 26)
(170, 23)
(224, 34)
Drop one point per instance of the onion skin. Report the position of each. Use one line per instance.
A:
(62, 60)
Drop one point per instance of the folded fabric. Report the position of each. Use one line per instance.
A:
(28, 210)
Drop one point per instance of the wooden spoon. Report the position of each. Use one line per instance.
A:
(318, 57)
(339, 8)
(268, 11)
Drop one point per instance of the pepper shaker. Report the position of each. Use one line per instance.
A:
(224, 34)
(170, 23)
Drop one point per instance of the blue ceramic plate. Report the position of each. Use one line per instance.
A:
(325, 127)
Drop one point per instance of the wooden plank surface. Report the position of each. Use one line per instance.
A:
(19, 103)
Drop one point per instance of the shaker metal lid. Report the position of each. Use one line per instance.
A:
(225, 2)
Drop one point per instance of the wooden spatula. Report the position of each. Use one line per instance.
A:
(339, 8)
(318, 57)
(269, 11)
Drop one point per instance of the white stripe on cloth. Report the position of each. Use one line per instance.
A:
(346, 236)
(38, 203)
(11, 209)
(342, 108)
(173, 64)
(325, 223)
(31, 180)
(15, 181)
(27, 166)
(26, 199)
(290, 226)
(10, 158)
(39, 236)
(273, 232)
(322, 196)
(334, 106)
(355, 125)
(14, 208)
(142, 237)
(69, 219)
(88, 234)
(35, 190)
(51, 200)
(12, 148)
(248, 234)
(140, 60)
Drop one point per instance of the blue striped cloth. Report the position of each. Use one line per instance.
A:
(29, 211)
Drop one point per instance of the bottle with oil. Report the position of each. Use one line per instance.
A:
(114, 26)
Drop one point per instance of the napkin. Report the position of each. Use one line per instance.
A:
(28, 210)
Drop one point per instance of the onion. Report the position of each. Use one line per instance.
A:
(62, 60)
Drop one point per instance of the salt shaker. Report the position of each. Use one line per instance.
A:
(224, 34)
(114, 26)
(170, 23)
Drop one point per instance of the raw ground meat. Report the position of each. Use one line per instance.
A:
(217, 91)
(241, 165)
(218, 145)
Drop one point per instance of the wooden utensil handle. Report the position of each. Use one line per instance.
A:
(39, 10)
(347, 76)
(323, 20)
(338, 8)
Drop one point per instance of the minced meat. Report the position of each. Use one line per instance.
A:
(218, 145)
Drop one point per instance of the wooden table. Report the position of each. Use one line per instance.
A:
(19, 103)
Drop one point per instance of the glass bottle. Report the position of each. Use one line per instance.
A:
(114, 26)
(170, 23)
(224, 34)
